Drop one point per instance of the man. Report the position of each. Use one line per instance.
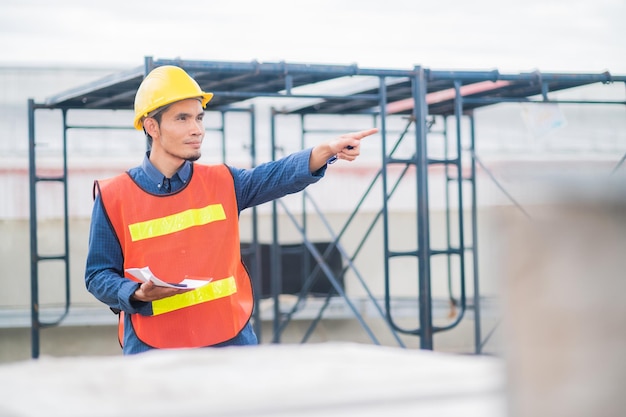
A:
(180, 219)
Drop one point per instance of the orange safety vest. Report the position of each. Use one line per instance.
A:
(191, 233)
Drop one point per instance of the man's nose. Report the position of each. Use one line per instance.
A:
(198, 127)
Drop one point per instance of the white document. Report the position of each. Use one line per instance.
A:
(145, 274)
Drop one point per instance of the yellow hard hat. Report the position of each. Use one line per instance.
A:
(162, 86)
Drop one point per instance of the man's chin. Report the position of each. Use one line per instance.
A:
(193, 158)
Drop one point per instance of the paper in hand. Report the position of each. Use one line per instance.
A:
(145, 274)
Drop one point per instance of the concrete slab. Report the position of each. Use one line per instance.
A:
(326, 379)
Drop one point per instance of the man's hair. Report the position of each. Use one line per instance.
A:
(156, 115)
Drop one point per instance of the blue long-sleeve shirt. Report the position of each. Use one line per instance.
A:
(104, 273)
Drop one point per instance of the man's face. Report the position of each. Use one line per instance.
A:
(181, 131)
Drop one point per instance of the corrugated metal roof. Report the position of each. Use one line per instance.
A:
(234, 82)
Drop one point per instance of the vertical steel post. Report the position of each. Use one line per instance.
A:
(305, 268)
(477, 325)
(275, 264)
(420, 113)
(34, 257)
(385, 208)
(66, 216)
(458, 111)
(148, 65)
(256, 279)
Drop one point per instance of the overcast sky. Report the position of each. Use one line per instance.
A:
(512, 36)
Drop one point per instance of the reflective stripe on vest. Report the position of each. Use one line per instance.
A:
(212, 291)
(176, 222)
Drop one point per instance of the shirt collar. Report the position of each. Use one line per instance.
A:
(157, 177)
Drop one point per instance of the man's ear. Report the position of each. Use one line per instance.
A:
(151, 126)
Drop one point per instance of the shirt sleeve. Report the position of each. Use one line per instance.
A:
(274, 179)
(104, 276)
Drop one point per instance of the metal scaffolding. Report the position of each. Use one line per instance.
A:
(420, 96)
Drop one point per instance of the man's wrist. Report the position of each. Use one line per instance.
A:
(319, 155)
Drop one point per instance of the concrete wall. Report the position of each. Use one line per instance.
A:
(90, 327)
